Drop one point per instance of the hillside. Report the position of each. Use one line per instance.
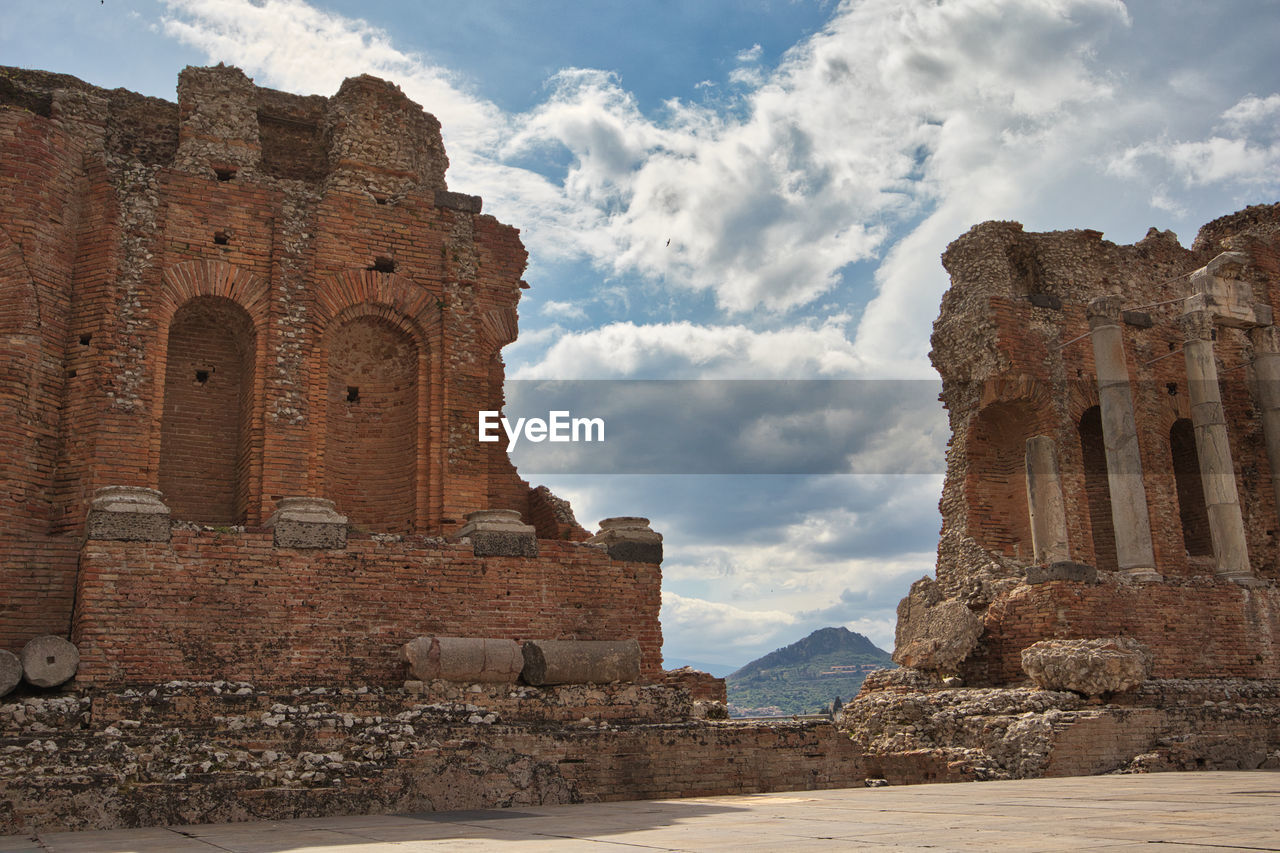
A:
(804, 677)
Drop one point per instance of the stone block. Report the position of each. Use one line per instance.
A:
(465, 659)
(49, 661)
(459, 201)
(10, 671)
(629, 539)
(499, 533)
(128, 514)
(1092, 667)
(1062, 570)
(308, 523)
(580, 661)
(934, 635)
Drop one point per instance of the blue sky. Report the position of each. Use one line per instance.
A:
(759, 189)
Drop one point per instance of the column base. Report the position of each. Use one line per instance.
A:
(128, 514)
(1143, 574)
(308, 523)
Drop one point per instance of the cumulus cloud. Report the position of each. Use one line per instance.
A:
(1243, 151)
(683, 350)
(892, 110)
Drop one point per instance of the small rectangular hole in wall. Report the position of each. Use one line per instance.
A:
(353, 394)
(71, 374)
(221, 238)
(382, 263)
(202, 376)
(84, 340)
(380, 198)
(225, 173)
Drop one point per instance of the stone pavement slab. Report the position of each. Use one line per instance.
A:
(1216, 811)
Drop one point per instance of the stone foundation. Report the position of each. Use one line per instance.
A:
(194, 752)
(915, 734)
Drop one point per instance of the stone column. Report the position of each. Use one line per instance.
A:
(1134, 552)
(1226, 525)
(1044, 502)
(1266, 367)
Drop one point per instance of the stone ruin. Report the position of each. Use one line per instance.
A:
(1107, 581)
(244, 339)
(258, 566)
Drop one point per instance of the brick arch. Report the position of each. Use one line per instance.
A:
(184, 282)
(500, 327)
(397, 295)
(215, 281)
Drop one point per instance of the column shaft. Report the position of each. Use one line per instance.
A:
(1226, 524)
(1044, 502)
(1134, 552)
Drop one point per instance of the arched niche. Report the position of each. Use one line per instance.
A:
(205, 432)
(373, 420)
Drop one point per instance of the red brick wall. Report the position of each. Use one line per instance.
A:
(1194, 629)
(97, 260)
(213, 605)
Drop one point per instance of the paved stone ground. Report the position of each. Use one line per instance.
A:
(1187, 811)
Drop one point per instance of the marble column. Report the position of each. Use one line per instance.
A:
(1226, 524)
(1134, 552)
(1044, 502)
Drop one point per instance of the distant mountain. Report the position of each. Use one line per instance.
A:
(806, 676)
(719, 670)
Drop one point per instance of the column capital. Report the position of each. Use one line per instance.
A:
(1197, 325)
(1104, 311)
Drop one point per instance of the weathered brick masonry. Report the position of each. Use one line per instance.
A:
(1110, 499)
(240, 298)
(243, 342)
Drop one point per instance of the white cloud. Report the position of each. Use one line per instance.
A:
(865, 124)
(689, 350)
(1253, 110)
(567, 310)
(694, 626)
(1245, 152)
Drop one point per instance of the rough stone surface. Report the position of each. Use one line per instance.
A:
(1063, 570)
(466, 659)
(1091, 667)
(128, 514)
(308, 523)
(1014, 733)
(629, 539)
(933, 634)
(580, 661)
(10, 671)
(49, 661)
(192, 752)
(500, 533)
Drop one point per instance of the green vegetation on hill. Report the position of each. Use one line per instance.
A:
(806, 676)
